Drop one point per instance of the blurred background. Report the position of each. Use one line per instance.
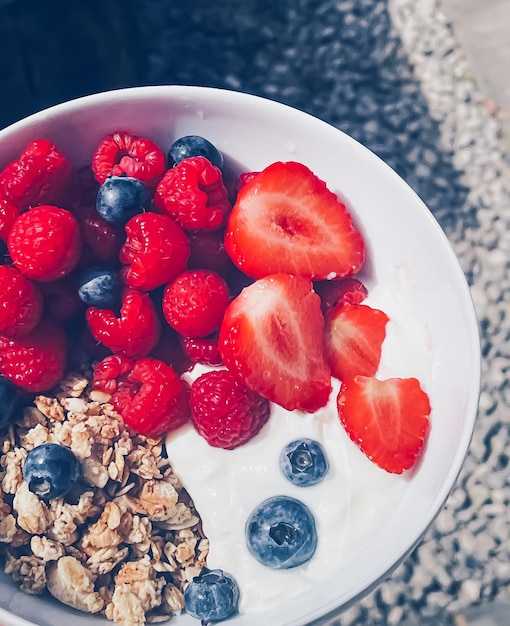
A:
(422, 83)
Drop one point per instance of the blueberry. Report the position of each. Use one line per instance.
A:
(212, 596)
(194, 145)
(304, 462)
(8, 400)
(281, 533)
(99, 287)
(51, 470)
(120, 198)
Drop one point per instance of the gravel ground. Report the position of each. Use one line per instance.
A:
(391, 75)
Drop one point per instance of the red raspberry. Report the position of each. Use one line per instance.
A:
(202, 350)
(39, 176)
(334, 293)
(224, 411)
(21, 303)
(44, 243)
(207, 251)
(147, 394)
(102, 238)
(37, 361)
(135, 333)
(122, 153)
(156, 251)
(8, 215)
(193, 194)
(195, 302)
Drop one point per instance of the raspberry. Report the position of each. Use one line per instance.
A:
(224, 411)
(44, 243)
(202, 350)
(195, 302)
(135, 333)
(335, 293)
(207, 251)
(35, 362)
(102, 238)
(8, 215)
(39, 176)
(147, 393)
(193, 194)
(156, 251)
(21, 303)
(122, 153)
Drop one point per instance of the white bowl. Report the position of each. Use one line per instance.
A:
(404, 240)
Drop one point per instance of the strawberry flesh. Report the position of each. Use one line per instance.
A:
(286, 220)
(387, 419)
(271, 337)
(353, 340)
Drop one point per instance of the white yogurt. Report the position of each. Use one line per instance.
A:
(352, 502)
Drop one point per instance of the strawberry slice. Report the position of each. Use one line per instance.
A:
(387, 419)
(271, 337)
(286, 220)
(353, 340)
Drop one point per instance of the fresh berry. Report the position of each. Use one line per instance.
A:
(195, 302)
(156, 251)
(225, 412)
(134, 333)
(387, 419)
(39, 176)
(237, 281)
(37, 361)
(61, 300)
(287, 221)
(8, 215)
(271, 337)
(44, 243)
(123, 153)
(22, 303)
(120, 198)
(353, 340)
(51, 470)
(9, 395)
(99, 287)
(102, 238)
(202, 350)
(193, 194)
(207, 251)
(193, 146)
(281, 533)
(147, 394)
(335, 293)
(247, 177)
(212, 596)
(304, 462)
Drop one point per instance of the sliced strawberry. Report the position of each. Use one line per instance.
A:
(387, 419)
(337, 292)
(286, 220)
(353, 339)
(271, 336)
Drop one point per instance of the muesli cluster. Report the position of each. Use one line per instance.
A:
(126, 540)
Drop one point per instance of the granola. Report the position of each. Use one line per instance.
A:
(126, 540)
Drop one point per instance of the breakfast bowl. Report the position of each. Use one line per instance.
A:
(367, 519)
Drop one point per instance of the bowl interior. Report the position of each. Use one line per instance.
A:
(404, 241)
